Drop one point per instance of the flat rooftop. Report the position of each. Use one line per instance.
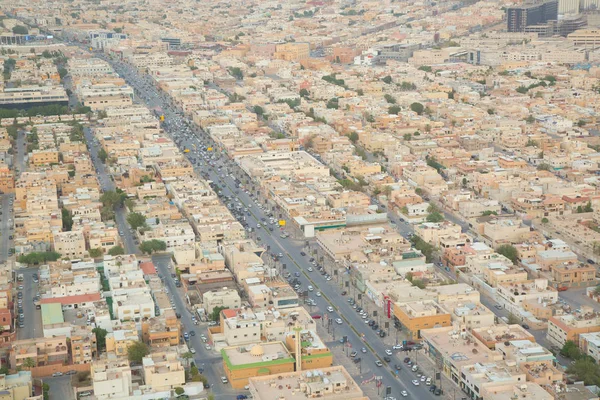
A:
(333, 383)
(256, 355)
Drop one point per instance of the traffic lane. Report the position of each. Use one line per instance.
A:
(7, 214)
(162, 263)
(31, 320)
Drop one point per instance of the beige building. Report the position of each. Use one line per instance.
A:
(70, 244)
(335, 383)
(227, 298)
(111, 379)
(163, 371)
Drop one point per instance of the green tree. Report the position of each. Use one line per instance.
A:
(258, 110)
(488, 212)
(102, 155)
(513, 319)
(389, 98)
(435, 217)
(100, 338)
(136, 220)
(544, 167)
(116, 251)
(95, 253)
(508, 251)
(215, 315)
(67, 219)
(38, 257)
(588, 207)
(304, 92)
(586, 370)
(407, 137)
(425, 68)
(333, 103)
(425, 248)
(46, 391)
(571, 350)
(544, 220)
(20, 30)
(395, 110)
(152, 246)
(387, 79)
(354, 137)
(4, 370)
(237, 73)
(28, 363)
(419, 283)
(137, 351)
(417, 107)
(179, 391)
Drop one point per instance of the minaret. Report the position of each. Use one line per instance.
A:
(298, 330)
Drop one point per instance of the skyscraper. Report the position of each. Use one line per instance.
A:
(517, 18)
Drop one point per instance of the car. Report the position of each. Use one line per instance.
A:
(338, 321)
(330, 309)
(438, 392)
(224, 380)
(387, 359)
(406, 360)
(318, 294)
(432, 388)
(525, 326)
(423, 378)
(192, 350)
(415, 382)
(192, 333)
(71, 372)
(344, 293)
(356, 360)
(57, 374)
(404, 393)
(398, 347)
(378, 363)
(388, 352)
(498, 307)
(353, 354)
(207, 347)
(428, 381)
(382, 334)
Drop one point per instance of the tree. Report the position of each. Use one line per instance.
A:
(187, 356)
(425, 248)
(46, 391)
(387, 79)
(407, 137)
(488, 212)
(588, 207)
(571, 350)
(425, 68)
(544, 220)
(67, 219)
(137, 351)
(513, 319)
(419, 191)
(62, 72)
(464, 182)
(544, 167)
(215, 315)
(394, 110)
(95, 253)
(179, 391)
(4, 370)
(116, 251)
(151, 246)
(237, 73)
(581, 123)
(417, 107)
(530, 119)
(435, 217)
(333, 103)
(28, 363)
(304, 92)
(586, 370)
(20, 30)
(389, 98)
(38, 257)
(508, 251)
(102, 155)
(418, 283)
(136, 220)
(354, 137)
(100, 338)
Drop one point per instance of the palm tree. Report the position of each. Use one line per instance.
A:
(187, 356)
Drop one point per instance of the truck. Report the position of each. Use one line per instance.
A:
(20, 278)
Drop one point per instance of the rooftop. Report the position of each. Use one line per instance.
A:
(257, 355)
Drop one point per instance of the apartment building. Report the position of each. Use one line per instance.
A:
(111, 379)
(416, 316)
(589, 343)
(573, 274)
(70, 244)
(227, 298)
(162, 331)
(83, 345)
(562, 328)
(333, 383)
(42, 351)
(163, 371)
(514, 295)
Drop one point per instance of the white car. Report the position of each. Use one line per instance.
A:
(398, 347)
(318, 294)
(415, 382)
(192, 350)
(330, 309)
(338, 321)
(388, 352)
(404, 393)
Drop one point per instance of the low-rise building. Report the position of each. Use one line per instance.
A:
(416, 316)
(333, 383)
(562, 328)
(244, 362)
